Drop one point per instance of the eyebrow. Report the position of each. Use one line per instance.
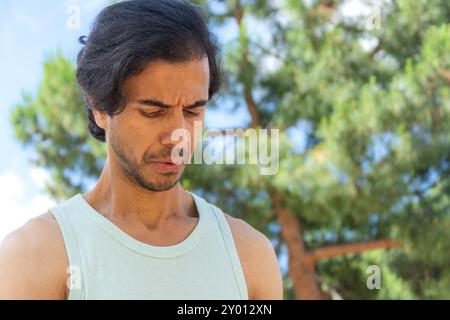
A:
(157, 103)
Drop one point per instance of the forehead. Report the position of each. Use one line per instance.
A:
(160, 78)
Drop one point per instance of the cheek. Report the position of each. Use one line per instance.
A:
(131, 136)
(140, 129)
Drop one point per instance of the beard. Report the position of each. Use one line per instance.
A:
(134, 169)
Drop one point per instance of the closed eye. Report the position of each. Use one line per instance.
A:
(158, 113)
(151, 114)
(192, 113)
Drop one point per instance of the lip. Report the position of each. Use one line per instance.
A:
(167, 165)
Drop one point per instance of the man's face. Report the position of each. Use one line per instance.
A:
(140, 137)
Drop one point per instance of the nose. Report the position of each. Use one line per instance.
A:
(174, 122)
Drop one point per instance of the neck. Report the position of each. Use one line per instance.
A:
(119, 199)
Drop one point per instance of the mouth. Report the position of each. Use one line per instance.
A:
(167, 165)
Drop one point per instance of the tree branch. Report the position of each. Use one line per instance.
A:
(251, 105)
(444, 74)
(250, 101)
(343, 249)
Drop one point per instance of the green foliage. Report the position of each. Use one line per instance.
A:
(53, 123)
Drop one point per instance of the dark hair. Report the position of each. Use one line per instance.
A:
(128, 35)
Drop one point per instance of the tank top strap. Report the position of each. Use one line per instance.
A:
(231, 250)
(63, 214)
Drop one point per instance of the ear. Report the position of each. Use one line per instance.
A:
(101, 118)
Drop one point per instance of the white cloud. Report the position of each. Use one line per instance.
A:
(16, 209)
(11, 186)
(39, 176)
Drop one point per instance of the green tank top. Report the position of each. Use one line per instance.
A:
(107, 263)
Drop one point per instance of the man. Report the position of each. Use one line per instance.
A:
(147, 69)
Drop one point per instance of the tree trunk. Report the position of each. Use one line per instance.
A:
(301, 270)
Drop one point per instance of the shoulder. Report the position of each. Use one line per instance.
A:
(258, 260)
(33, 261)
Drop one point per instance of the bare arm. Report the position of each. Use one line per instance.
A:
(259, 261)
(269, 284)
(32, 261)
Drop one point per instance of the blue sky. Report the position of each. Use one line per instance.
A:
(29, 31)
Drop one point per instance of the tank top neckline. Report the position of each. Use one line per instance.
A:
(125, 239)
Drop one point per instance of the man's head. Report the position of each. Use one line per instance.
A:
(147, 68)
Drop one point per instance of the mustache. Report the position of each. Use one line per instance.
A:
(162, 154)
